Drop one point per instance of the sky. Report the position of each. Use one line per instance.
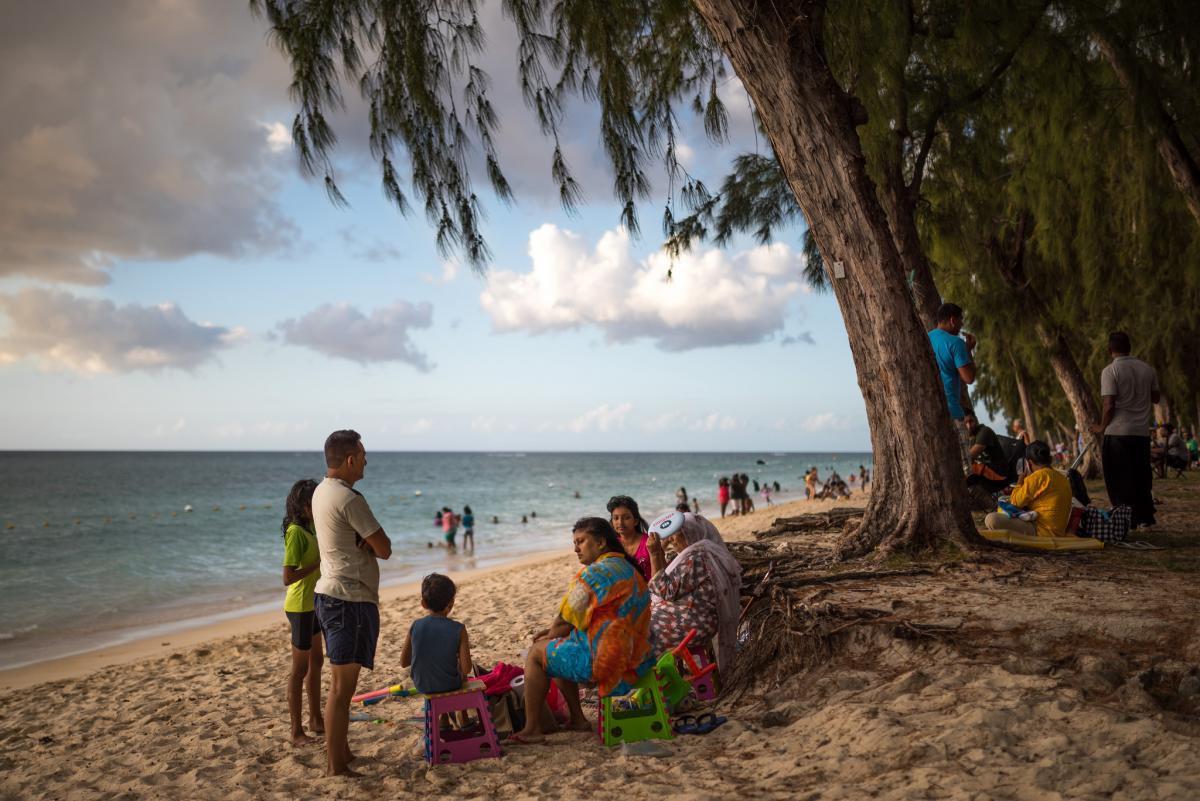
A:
(170, 281)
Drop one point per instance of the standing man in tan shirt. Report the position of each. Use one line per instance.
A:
(347, 595)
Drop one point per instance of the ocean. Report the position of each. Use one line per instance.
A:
(98, 548)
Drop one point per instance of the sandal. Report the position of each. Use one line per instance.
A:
(687, 724)
(709, 721)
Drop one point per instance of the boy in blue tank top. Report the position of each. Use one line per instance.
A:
(437, 648)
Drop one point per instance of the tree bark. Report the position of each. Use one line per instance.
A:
(919, 496)
(1011, 266)
(1171, 147)
(1031, 425)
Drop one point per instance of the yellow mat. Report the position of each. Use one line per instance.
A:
(1070, 543)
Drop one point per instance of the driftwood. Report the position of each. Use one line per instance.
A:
(833, 520)
(784, 629)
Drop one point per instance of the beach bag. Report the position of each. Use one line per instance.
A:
(1107, 526)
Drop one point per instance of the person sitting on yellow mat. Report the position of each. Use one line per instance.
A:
(1043, 490)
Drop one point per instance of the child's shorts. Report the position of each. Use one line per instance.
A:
(304, 628)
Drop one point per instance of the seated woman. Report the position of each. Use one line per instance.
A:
(631, 528)
(1045, 491)
(601, 634)
(700, 589)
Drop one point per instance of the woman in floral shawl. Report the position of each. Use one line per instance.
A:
(601, 634)
(700, 589)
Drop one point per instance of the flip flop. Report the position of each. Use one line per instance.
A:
(1139, 545)
(686, 724)
(709, 721)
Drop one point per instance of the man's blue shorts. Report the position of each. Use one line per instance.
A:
(351, 630)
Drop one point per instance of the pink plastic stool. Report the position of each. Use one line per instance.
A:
(450, 745)
(705, 687)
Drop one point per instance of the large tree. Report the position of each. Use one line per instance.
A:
(415, 63)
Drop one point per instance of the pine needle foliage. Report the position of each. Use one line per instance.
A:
(416, 64)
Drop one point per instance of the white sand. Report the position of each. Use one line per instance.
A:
(891, 719)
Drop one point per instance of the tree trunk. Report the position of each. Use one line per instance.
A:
(1171, 147)
(900, 213)
(1031, 425)
(1011, 266)
(1162, 409)
(919, 496)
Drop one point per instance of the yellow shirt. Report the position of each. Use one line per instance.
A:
(1047, 492)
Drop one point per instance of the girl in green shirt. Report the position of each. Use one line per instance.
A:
(301, 569)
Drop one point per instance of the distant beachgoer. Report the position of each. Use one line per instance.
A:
(699, 589)
(436, 647)
(775, 484)
(524, 519)
(347, 594)
(437, 519)
(810, 483)
(601, 634)
(766, 494)
(723, 494)
(468, 524)
(301, 570)
(1044, 491)
(495, 519)
(956, 367)
(1171, 451)
(756, 486)
(1193, 447)
(864, 477)
(1019, 432)
(695, 504)
(681, 495)
(577, 494)
(449, 527)
(626, 519)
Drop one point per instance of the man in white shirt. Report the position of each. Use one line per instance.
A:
(1129, 388)
(347, 595)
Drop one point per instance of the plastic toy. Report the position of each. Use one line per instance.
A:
(375, 696)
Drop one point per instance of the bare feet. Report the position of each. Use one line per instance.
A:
(301, 739)
(346, 773)
(579, 725)
(525, 739)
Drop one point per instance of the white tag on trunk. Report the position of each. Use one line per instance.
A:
(839, 270)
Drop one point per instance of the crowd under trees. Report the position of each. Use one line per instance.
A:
(1033, 161)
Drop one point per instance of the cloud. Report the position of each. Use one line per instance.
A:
(449, 272)
(825, 421)
(804, 337)
(716, 422)
(601, 418)
(87, 335)
(133, 130)
(279, 138)
(713, 299)
(342, 331)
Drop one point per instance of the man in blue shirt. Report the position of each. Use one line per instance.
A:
(956, 369)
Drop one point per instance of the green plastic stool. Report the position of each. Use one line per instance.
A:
(641, 715)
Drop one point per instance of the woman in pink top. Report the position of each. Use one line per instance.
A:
(631, 528)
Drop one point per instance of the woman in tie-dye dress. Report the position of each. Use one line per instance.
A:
(601, 634)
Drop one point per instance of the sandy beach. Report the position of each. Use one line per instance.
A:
(1023, 705)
